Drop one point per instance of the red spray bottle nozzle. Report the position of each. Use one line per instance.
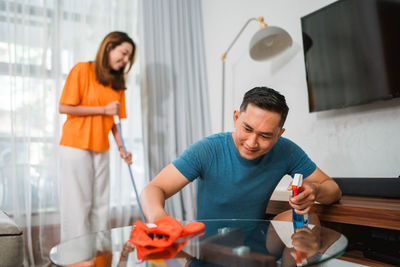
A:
(297, 184)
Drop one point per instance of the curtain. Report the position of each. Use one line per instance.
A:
(40, 41)
(174, 89)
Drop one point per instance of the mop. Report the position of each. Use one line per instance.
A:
(118, 124)
(168, 262)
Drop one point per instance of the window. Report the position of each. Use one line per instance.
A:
(39, 44)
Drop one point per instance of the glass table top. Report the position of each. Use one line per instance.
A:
(222, 243)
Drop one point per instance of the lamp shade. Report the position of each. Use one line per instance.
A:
(268, 42)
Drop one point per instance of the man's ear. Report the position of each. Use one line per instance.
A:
(236, 114)
(282, 131)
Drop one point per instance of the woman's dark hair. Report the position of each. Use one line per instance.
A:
(268, 99)
(104, 74)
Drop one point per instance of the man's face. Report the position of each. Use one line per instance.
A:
(256, 131)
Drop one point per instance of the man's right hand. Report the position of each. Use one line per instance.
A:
(157, 215)
(168, 182)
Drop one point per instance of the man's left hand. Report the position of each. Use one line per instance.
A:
(302, 202)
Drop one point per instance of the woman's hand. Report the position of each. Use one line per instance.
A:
(127, 157)
(128, 248)
(112, 108)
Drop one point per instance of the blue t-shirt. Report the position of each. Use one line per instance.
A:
(230, 186)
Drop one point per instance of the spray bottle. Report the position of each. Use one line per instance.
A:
(299, 220)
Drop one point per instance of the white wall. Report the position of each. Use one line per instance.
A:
(361, 141)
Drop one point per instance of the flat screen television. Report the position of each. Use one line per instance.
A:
(352, 53)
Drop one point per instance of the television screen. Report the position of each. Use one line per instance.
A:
(352, 53)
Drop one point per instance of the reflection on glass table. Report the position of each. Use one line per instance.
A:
(223, 243)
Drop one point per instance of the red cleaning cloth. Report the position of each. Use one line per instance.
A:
(156, 239)
(144, 253)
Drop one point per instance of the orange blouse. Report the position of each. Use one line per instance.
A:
(82, 88)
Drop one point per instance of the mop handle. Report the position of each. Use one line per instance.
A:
(118, 124)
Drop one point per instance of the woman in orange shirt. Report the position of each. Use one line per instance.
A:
(92, 94)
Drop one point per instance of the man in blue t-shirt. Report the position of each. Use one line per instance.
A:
(237, 172)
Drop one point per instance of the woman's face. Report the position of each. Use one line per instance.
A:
(119, 56)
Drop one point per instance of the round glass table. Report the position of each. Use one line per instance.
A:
(222, 243)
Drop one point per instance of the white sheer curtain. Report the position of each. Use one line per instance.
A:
(40, 41)
(174, 89)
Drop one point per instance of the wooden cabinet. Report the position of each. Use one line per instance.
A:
(360, 219)
(366, 211)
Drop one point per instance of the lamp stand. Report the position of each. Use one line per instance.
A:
(265, 44)
(259, 19)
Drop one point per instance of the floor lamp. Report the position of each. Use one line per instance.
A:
(265, 43)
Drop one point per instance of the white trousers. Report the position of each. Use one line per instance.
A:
(85, 191)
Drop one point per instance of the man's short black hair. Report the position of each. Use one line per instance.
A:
(268, 99)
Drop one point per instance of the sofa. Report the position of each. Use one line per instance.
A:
(11, 242)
